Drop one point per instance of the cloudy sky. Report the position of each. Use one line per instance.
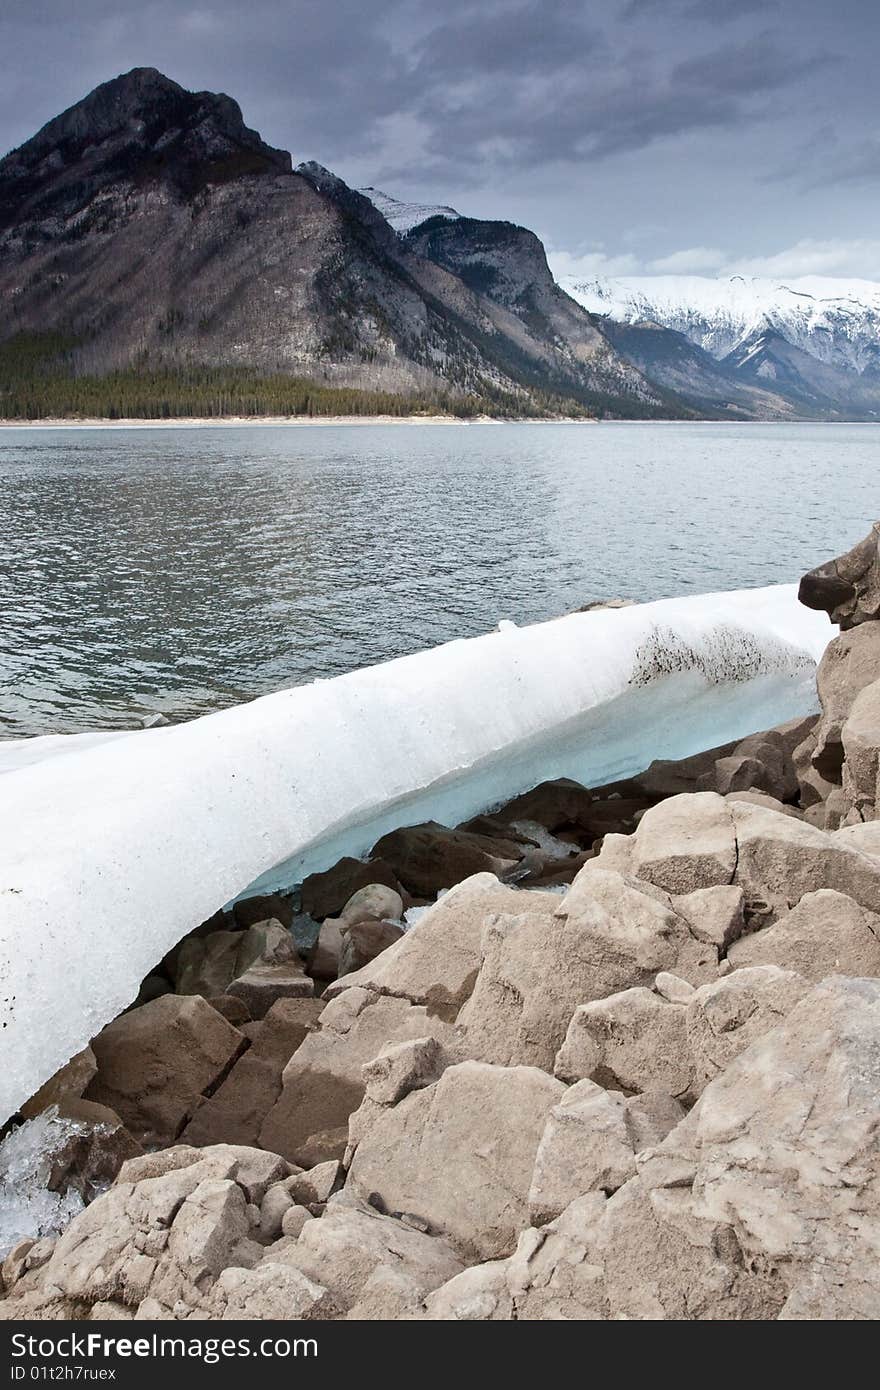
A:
(650, 136)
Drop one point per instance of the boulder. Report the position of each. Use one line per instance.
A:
(325, 894)
(460, 1154)
(848, 588)
(323, 1082)
(263, 985)
(686, 843)
(68, 1083)
(536, 968)
(352, 1243)
(726, 1017)
(826, 934)
(324, 958)
(770, 803)
(436, 961)
(590, 1142)
(157, 1062)
(263, 907)
(159, 1238)
(427, 858)
(235, 1112)
(762, 762)
(365, 941)
(373, 903)
(273, 1291)
(401, 1068)
(861, 745)
(849, 664)
(780, 859)
(714, 915)
(634, 1040)
(206, 964)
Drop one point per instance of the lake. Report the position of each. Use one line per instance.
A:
(182, 569)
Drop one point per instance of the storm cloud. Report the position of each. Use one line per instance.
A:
(628, 133)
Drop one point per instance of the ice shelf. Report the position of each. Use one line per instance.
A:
(111, 849)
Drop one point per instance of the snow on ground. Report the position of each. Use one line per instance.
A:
(404, 216)
(110, 851)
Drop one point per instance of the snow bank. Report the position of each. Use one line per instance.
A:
(111, 850)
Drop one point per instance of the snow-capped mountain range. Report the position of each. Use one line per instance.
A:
(835, 321)
(403, 217)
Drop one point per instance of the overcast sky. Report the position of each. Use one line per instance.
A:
(633, 135)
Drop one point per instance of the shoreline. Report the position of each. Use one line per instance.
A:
(274, 421)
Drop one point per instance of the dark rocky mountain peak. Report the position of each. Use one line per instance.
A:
(138, 128)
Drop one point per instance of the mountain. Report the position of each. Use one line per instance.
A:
(812, 342)
(148, 234)
(403, 217)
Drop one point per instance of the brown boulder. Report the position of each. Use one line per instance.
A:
(235, 1112)
(848, 588)
(429, 857)
(364, 942)
(157, 1062)
(325, 894)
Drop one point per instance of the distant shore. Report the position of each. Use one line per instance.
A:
(273, 420)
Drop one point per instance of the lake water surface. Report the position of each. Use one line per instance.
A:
(182, 569)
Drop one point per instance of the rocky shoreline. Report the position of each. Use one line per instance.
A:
(602, 1053)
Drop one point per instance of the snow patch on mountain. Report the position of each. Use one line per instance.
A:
(403, 217)
(836, 321)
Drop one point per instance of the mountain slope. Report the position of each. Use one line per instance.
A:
(813, 342)
(147, 229)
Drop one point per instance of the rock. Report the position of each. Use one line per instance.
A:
(864, 836)
(726, 1017)
(293, 1221)
(437, 960)
(314, 1187)
(671, 988)
(667, 778)
(159, 1238)
(585, 1147)
(714, 915)
(235, 1112)
(848, 588)
(826, 934)
(89, 1158)
(427, 858)
(365, 941)
(849, 664)
(861, 745)
(234, 1010)
(324, 1146)
(756, 798)
(275, 1204)
(814, 789)
(650, 1117)
(550, 1276)
(373, 903)
(272, 1291)
(774, 1204)
(634, 1040)
(157, 1062)
(265, 907)
(206, 964)
(322, 1083)
(265, 943)
(636, 931)
(556, 805)
(263, 985)
(352, 1243)
(780, 859)
(68, 1083)
(324, 958)
(440, 1152)
(401, 1068)
(325, 894)
(686, 843)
